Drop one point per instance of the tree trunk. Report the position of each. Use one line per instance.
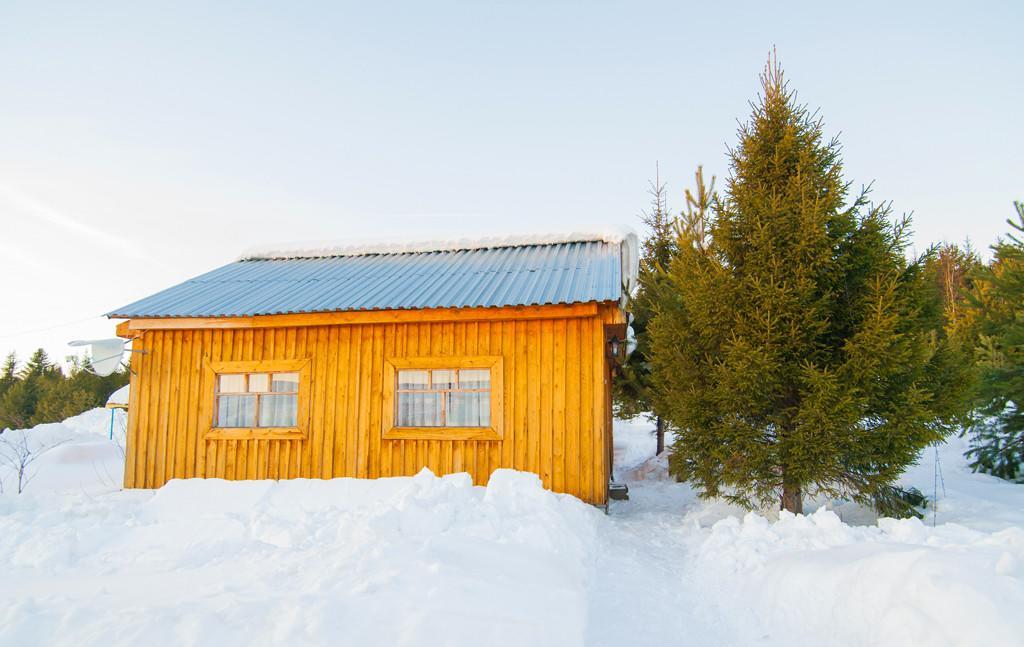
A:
(792, 498)
(660, 433)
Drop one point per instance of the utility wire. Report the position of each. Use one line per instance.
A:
(48, 328)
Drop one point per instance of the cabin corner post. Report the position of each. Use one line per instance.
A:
(123, 330)
(599, 486)
(142, 403)
(610, 314)
(132, 414)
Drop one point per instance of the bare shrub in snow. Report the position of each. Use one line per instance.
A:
(17, 453)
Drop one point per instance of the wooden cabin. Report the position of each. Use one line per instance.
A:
(378, 361)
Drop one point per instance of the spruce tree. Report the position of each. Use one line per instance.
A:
(8, 373)
(998, 444)
(18, 404)
(39, 365)
(631, 390)
(20, 401)
(61, 399)
(793, 350)
(950, 271)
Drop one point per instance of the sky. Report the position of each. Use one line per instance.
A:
(142, 144)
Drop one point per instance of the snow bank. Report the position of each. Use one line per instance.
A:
(402, 561)
(120, 396)
(815, 580)
(634, 446)
(979, 501)
(634, 443)
(424, 560)
(75, 455)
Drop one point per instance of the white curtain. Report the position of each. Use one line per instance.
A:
(278, 410)
(236, 410)
(419, 409)
(436, 397)
(469, 409)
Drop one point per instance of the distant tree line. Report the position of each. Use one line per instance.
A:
(795, 348)
(996, 302)
(40, 391)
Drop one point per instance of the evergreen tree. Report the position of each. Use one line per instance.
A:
(59, 400)
(632, 388)
(39, 365)
(41, 392)
(8, 373)
(18, 404)
(793, 351)
(998, 444)
(950, 270)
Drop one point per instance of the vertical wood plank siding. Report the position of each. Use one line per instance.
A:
(556, 403)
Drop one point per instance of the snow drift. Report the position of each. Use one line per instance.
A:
(75, 455)
(815, 580)
(403, 561)
(424, 560)
(898, 583)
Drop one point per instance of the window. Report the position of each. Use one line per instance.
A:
(257, 400)
(443, 398)
(252, 400)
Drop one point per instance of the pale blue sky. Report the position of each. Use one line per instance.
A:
(141, 145)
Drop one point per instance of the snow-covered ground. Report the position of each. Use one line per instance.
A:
(732, 578)
(436, 561)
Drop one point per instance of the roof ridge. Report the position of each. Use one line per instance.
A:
(611, 235)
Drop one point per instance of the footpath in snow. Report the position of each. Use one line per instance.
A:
(436, 561)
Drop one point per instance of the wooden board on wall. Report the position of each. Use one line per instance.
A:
(555, 402)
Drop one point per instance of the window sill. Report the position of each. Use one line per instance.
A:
(441, 433)
(256, 433)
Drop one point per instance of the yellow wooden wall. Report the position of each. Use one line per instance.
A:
(556, 402)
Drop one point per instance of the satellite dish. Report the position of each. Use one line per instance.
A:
(106, 354)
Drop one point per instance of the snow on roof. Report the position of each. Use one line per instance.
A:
(609, 234)
(119, 397)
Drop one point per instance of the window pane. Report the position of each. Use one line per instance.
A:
(278, 410)
(259, 383)
(444, 379)
(472, 409)
(236, 410)
(475, 378)
(231, 383)
(413, 379)
(285, 383)
(418, 410)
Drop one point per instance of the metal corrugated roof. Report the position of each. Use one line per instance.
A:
(572, 272)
